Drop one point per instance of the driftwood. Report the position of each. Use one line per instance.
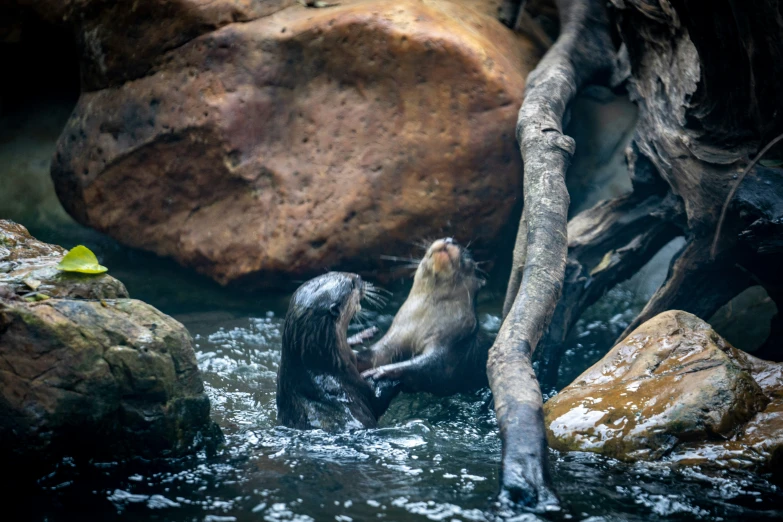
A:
(581, 53)
(705, 84)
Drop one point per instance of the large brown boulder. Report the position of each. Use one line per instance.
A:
(87, 372)
(670, 390)
(293, 141)
(121, 41)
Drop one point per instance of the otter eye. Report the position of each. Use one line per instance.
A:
(334, 310)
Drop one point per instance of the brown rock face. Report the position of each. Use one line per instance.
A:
(122, 41)
(305, 139)
(88, 372)
(672, 383)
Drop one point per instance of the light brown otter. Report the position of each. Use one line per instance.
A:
(318, 383)
(435, 344)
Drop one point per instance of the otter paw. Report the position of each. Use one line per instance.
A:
(380, 374)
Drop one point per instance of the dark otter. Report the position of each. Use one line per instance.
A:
(435, 344)
(318, 383)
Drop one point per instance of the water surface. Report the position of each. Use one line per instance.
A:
(431, 458)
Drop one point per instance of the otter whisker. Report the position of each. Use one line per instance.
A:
(360, 319)
(424, 243)
(379, 298)
(400, 259)
(377, 301)
(375, 289)
(361, 313)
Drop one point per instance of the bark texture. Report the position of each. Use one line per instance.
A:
(581, 53)
(607, 244)
(704, 84)
(689, 150)
(702, 81)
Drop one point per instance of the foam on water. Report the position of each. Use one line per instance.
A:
(430, 459)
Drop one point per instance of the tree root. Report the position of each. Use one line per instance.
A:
(696, 283)
(714, 248)
(583, 52)
(607, 244)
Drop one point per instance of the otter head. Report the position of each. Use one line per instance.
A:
(448, 264)
(318, 316)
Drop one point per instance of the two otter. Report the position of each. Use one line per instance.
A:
(434, 344)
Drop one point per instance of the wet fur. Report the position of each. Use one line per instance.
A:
(435, 344)
(318, 383)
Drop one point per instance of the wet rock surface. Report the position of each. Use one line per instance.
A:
(673, 390)
(28, 270)
(758, 444)
(88, 372)
(298, 140)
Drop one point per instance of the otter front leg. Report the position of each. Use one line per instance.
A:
(421, 373)
(384, 352)
(364, 335)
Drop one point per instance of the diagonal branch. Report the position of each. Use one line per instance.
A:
(582, 53)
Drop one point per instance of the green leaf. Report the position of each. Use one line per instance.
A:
(36, 296)
(81, 259)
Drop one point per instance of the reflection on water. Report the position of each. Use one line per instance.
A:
(431, 459)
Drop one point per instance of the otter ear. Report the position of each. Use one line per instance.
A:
(335, 310)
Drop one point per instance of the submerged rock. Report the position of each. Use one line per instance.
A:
(89, 372)
(673, 390)
(297, 139)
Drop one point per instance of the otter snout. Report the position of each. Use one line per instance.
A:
(445, 254)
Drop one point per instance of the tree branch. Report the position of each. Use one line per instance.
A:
(582, 52)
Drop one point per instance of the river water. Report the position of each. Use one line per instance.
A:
(431, 459)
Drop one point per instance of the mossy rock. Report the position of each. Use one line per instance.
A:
(88, 372)
(110, 379)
